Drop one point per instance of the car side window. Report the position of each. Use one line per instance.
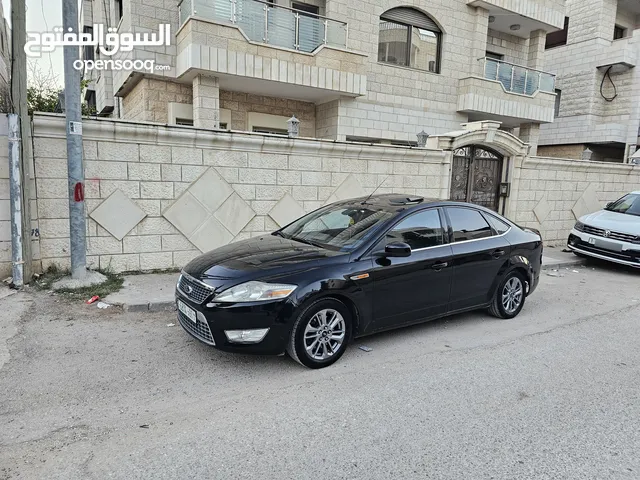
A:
(468, 224)
(420, 230)
(498, 225)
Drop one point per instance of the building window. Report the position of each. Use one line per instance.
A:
(619, 32)
(119, 10)
(304, 7)
(88, 51)
(184, 121)
(409, 38)
(90, 99)
(557, 39)
(223, 126)
(557, 106)
(272, 131)
(495, 56)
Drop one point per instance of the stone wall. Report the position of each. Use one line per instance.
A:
(157, 196)
(241, 104)
(148, 100)
(550, 194)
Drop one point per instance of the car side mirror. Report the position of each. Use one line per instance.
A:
(397, 249)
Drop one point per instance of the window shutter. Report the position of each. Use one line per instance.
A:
(410, 16)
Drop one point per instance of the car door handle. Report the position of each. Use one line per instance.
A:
(439, 266)
(497, 253)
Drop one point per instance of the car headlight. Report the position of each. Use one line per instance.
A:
(255, 292)
(579, 226)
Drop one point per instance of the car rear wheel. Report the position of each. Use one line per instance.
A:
(509, 298)
(320, 334)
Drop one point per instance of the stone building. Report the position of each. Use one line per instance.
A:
(5, 59)
(358, 70)
(598, 85)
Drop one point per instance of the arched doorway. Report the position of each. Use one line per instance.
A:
(476, 174)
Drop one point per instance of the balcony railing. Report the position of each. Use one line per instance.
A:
(272, 24)
(518, 79)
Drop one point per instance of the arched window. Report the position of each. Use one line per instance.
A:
(409, 38)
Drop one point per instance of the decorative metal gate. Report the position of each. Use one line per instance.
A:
(476, 174)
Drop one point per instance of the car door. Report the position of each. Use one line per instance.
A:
(408, 289)
(479, 253)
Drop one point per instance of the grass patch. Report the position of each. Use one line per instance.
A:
(112, 284)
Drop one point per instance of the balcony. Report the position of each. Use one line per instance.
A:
(277, 51)
(508, 93)
(530, 15)
(271, 24)
(620, 55)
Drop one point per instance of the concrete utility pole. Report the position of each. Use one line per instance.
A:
(77, 221)
(19, 106)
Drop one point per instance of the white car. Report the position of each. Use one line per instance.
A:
(611, 234)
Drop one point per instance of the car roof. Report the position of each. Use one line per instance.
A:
(397, 202)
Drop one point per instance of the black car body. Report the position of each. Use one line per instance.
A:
(395, 274)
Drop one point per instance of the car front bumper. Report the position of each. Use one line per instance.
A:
(616, 251)
(214, 319)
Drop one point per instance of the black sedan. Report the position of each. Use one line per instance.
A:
(354, 268)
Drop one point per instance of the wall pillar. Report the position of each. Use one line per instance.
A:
(479, 41)
(206, 102)
(535, 57)
(530, 133)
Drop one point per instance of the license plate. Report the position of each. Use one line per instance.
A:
(188, 312)
(611, 246)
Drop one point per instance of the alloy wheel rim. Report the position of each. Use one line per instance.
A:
(512, 294)
(324, 334)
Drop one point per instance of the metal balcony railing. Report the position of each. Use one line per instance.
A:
(271, 24)
(518, 79)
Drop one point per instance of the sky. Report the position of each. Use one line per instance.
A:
(42, 16)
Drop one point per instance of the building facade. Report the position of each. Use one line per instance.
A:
(598, 85)
(377, 72)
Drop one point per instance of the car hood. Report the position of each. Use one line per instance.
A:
(257, 257)
(616, 222)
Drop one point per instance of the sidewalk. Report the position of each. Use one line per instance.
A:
(155, 292)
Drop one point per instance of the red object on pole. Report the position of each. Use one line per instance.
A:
(78, 192)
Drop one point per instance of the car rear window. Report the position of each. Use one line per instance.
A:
(498, 225)
(468, 224)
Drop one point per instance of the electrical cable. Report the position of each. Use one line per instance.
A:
(615, 90)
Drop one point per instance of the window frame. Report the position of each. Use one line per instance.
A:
(558, 100)
(559, 38)
(409, 27)
(482, 215)
(377, 247)
(619, 32)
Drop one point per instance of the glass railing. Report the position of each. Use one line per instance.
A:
(518, 79)
(268, 23)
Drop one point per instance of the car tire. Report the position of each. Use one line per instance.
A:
(510, 296)
(315, 341)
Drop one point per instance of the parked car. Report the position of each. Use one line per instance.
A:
(611, 234)
(354, 268)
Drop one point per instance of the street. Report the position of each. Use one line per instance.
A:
(551, 394)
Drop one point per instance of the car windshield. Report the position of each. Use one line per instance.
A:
(337, 227)
(629, 204)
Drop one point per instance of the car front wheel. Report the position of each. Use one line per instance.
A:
(320, 334)
(509, 298)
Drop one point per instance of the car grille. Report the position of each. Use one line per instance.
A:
(198, 329)
(600, 232)
(194, 290)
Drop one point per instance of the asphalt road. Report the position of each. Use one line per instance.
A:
(552, 394)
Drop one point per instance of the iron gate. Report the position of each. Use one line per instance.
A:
(476, 173)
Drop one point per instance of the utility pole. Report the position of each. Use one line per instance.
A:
(19, 106)
(77, 221)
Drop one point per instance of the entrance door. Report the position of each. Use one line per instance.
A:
(476, 174)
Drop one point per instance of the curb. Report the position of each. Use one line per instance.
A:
(567, 264)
